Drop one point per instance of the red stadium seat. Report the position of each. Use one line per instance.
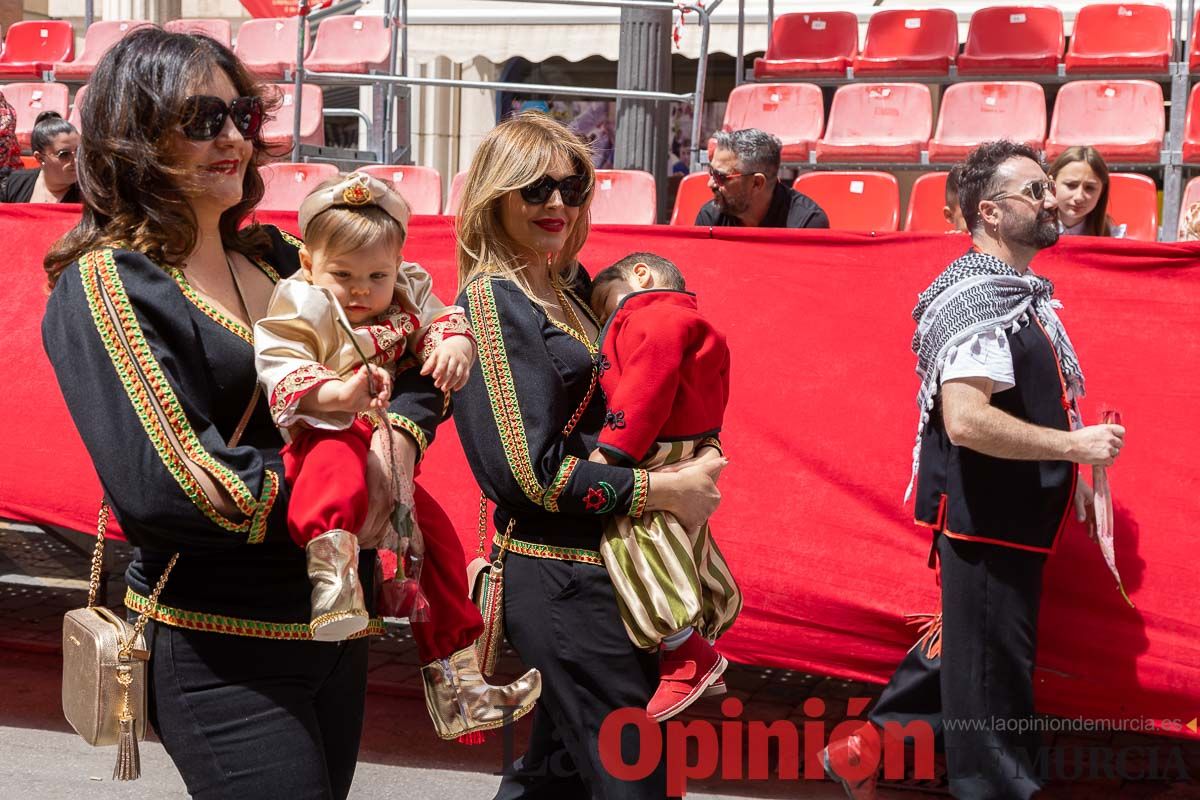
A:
(854, 201)
(31, 99)
(1133, 202)
(286, 185)
(217, 29)
(420, 186)
(33, 47)
(909, 42)
(624, 197)
(809, 44)
(268, 46)
(356, 44)
(973, 113)
(1124, 120)
(1120, 37)
(794, 112)
(1193, 48)
(277, 130)
(1003, 39)
(456, 189)
(29, 162)
(693, 194)
(925, 205)
(99, 37)
(1191, 129)
(877, 122)
(76, 104)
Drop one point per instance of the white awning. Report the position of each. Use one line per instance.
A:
(462, 30)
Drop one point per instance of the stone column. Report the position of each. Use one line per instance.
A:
(10, 11)
(643, 136)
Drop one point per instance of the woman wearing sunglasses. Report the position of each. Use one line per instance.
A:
(148, 326)
(527, 419)
(54, 142)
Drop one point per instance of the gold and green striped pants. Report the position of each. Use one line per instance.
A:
(665, 578)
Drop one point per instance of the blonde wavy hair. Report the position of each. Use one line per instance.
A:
(516, 153)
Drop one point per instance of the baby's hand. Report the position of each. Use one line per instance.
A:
(354, 395)
(450, 363)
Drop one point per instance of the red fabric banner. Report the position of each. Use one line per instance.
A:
(819, 432)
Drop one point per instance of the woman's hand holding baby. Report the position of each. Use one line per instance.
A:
(450, 363)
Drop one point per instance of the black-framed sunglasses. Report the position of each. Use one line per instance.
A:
(204, 116)
(1034, 190)
(573, 190)
(722, 178)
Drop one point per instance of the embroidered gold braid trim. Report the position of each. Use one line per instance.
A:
(98, 271)
(641, 491)
(502, 392)
(538, 550)
(413, 429)
(234, 626)
(560, 482)
(234, 326)
(292, 240)
(296, 384)
(442, 329)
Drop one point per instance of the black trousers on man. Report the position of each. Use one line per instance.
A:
(245, 717)
(978, 695)
(561, 617)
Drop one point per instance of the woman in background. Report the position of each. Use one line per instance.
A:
(1081, 186)
(54, 142)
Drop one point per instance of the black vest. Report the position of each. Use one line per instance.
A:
(969, 495)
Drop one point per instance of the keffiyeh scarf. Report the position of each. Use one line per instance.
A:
(976, 295)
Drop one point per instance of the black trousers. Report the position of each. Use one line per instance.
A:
(562, 618)
(245, 717)
(978, 696)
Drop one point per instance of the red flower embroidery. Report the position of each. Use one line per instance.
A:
(594, 499)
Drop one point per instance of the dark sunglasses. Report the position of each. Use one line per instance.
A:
(573, 190)
(722, 178)
(204, 116)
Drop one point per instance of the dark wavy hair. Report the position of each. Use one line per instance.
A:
(977, 180)
(129, 181)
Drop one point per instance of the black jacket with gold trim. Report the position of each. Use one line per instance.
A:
(156, 395)
(532, 375)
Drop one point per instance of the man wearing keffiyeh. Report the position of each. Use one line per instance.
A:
(994, 475)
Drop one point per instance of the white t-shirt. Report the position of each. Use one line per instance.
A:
(987, 356)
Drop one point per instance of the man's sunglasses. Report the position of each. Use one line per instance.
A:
(1035, 191)
(573, 190)
(204, 116)
(722, 178)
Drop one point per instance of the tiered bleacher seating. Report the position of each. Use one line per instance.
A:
(454, 196)
(286, 185)
(974, 113)
(854, 201)
(96, 42)
(1006, 39)
(1124, 120)
(34, 47)
(794, 112)
(824, 43)
(218, 29)
(1133, 201)
(877, 122)
(1120, 37)
(1191, 129)
(30, 99)
(925, 204)
(420, 186)
(358, 44)
(624, 197)
(693, 194)
(277, 131)
(908, 42)
(268, 46)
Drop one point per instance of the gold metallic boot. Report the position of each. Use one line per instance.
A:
(461, 702)
(338, 610)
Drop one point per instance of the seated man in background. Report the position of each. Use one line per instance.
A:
(744, 179)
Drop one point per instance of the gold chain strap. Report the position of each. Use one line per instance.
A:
(98, 555)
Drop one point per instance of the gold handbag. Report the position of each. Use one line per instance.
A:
(104, 670)
(104, 659)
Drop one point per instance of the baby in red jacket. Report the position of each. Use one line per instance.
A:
(664, 371)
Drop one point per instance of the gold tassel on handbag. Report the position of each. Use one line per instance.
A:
(104, 670)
